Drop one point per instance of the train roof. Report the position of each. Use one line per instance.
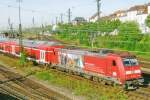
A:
(4, 39)
(32, 43)
(101, 52)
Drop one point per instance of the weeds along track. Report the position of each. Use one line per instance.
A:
(24, 88)
(145, 64)
(37, 91)
(143, 93)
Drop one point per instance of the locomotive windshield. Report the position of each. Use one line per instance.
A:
(130, 62)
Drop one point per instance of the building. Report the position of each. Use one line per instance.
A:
(94, 18)
(78, 20)
(136, 13)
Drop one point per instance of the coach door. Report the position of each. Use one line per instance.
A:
(42, 56)
(112, 68)
(13, 49)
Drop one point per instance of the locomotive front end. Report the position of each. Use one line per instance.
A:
(133, 73)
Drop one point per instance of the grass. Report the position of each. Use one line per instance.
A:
(80, 87)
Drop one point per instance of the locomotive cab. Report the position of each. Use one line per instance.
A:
(133, 75)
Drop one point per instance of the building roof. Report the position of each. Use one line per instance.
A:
(134, 8)
(120, 11)
(95, 15)
(138, 7)
(148, 4)
(79, 19)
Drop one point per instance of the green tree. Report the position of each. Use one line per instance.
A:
(129, 35)
(129, 27)
(147, 21)
(23, 58)
(108, 26)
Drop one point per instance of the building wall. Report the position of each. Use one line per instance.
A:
(93, 19)
(149, 9)
(133, 16)
(140, 19)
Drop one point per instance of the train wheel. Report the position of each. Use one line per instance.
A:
(96, 79)
(126, 87)
(113, 84)
(103, 82)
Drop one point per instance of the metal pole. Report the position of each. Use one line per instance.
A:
(69, 15)
(42, 31)
(61, 18)
(20, 26)
(56, 20)
(98, 8)
(33, 21)
(9, 26)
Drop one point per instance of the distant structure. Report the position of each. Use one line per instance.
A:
(136, 13)
(94, 18)
(79, 20)
(54, 28)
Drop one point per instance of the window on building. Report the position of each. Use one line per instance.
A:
(140, 12)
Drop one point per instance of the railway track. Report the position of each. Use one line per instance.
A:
(140, 94)
(24, 88)
(143, 93)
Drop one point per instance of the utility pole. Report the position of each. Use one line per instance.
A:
(98, 8)
(9, 27)
(42, 31)
(33, 21)
(9, 22)
(56, 20)
(61, 18)
(20, 26)
(69, 16)
(22, 54)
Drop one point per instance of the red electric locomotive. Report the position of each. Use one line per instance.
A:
(115, 68)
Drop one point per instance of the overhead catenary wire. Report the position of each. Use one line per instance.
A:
(25, 9)
(42, 11)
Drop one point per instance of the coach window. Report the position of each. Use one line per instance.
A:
(114, 63)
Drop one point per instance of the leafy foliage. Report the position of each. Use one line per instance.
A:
(108, 25)
(23, 58)
(98, 35)
(147, 21)
(129, 28)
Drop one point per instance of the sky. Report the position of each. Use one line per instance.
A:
(46, 11)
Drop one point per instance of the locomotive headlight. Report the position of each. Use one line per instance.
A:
(128, 72)
(133, 72)
(137, 71)
(114, 74)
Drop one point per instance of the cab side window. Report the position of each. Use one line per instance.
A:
(114, 63)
